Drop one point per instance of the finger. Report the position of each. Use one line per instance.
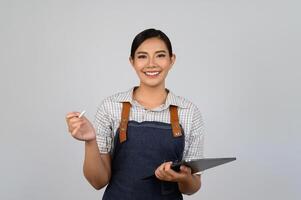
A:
(71, 115)
(167, 166)
(159, 171)
(75, 120)
(74, 132)
(72, 123)
(158, 175)
(77, 125)
(70, 118)
(185, 169)
(72, 126)
(166, 173)
(171, 173)
(70, 129)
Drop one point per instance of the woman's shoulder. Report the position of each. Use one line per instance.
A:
(189, 111)
(117, 97)
(182, 102)
(114, 101)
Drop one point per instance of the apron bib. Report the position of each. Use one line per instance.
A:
(139, 148)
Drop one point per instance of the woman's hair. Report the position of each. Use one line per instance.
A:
(150, 33)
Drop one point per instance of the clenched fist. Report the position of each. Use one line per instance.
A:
(80, 128)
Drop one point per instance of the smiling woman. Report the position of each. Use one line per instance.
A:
(141, 131)
(152, 62)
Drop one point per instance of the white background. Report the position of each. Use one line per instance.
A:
(238, 61)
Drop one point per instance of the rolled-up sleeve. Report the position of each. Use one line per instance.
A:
(195, 148)
(103, 127)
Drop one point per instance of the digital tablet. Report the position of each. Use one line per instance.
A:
(198, 165)
(201, 164)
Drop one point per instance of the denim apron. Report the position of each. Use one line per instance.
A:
(139, 148)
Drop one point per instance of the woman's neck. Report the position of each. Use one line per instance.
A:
(150, 97)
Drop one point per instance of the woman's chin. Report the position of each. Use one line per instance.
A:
(152, 83)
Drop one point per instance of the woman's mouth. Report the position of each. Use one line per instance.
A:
(152, 74)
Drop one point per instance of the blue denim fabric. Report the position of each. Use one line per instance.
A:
(148, 145)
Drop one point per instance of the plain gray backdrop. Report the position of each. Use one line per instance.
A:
(238, 61)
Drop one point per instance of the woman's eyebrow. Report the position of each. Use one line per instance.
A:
(161, 51)
(143, 52)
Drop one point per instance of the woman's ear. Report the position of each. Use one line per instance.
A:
(173, 59)
(131, 61)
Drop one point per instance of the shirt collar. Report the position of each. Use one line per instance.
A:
(171, 99)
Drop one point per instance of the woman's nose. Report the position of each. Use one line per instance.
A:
(152, 62)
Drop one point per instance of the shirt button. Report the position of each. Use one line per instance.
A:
(145, 114)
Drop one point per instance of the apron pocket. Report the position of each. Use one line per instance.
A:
(168, 187)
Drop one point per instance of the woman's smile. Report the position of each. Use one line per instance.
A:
(152, 74)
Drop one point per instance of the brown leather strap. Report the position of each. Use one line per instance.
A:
(174, 120)
(126, 106)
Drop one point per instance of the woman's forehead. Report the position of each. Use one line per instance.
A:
(152, 44)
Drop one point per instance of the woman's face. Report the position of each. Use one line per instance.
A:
(152, 62)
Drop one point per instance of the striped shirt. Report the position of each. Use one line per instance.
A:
(108, 117)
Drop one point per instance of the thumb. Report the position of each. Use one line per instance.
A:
(185, 169)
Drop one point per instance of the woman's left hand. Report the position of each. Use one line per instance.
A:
(165, 173)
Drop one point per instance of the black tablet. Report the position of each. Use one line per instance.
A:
(201, 164)
(198, 165)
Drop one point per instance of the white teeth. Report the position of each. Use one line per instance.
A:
(151, 73)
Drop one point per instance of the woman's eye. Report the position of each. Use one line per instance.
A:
(141, 56)
(161, 55)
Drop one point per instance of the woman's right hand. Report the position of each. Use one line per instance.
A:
(80, 128)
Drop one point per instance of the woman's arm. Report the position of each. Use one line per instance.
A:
(97, 166)
(190, 184)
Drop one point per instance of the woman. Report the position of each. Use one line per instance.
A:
(141, 131)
